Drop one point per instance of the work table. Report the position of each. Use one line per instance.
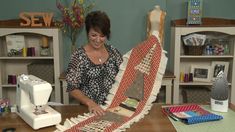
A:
(152, 122)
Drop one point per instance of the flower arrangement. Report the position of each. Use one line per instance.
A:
(73, 18)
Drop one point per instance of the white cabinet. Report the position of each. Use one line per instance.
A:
(17, 64)
(181, 63)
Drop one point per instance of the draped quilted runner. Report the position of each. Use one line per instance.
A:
(136, 87)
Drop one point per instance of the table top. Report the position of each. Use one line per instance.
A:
(155, 121)
(152, 122)
(168, 74)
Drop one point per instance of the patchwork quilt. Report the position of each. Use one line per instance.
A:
(136, 87)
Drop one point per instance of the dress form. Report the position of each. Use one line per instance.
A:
(155, 22)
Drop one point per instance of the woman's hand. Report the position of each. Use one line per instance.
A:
(95, 108)
(92, 106)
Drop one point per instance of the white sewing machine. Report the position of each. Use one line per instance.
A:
(32, 97)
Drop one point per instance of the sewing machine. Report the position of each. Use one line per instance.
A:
(32, 97)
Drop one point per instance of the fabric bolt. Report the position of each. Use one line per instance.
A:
(204, 118)
(186, 108)
(202, 114)
(225, 125)
(94, 80)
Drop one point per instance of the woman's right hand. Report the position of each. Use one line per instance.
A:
(95, 108)
(92, 106)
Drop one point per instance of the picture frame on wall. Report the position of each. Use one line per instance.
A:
(218, 66)
(201, 73)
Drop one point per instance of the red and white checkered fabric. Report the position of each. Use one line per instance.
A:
(137, 54)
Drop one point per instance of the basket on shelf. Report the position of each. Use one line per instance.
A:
(193, 50)
(196, 94)
(43, 70)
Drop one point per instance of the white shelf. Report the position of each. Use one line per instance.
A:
(27, 58)
(197, 83)
(16, 65)
(14, 85)
(207, 56)
(8, 85)
(181, 63)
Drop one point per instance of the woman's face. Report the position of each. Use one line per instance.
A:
(96, 39)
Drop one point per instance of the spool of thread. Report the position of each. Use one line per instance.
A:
(24, 52)
(181, 77)
(186, 77)
(45, 42)
(13, 79)
(1, 109)
(190, 77)
(9, 79)
(33, 51)
(29, 51)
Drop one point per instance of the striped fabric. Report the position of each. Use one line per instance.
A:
(183, 108)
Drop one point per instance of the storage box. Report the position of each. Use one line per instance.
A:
(43, 70)
(196, 94)
(193, 50)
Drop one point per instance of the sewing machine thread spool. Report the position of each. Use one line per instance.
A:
(9, 79)
(33, 51)
(181, 77)
(29, 51)
(186, 77)
(24, 52)
(190, 77)
(13, 79)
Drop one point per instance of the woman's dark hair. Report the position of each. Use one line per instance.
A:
(99, 21)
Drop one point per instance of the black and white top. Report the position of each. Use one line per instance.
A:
(94, 80)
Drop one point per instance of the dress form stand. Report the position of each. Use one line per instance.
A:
(155, 22)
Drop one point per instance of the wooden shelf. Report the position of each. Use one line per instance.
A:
(206, 56)
(26, 58)
(206, 22)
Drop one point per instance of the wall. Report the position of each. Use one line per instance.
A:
(128, 17)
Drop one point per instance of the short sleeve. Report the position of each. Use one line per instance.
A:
(117, 56)
(73, 76)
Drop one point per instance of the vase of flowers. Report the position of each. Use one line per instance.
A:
(73, 18)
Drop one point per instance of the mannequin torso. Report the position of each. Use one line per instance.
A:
(155, 22)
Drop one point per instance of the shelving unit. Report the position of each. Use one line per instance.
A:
(181, 63)
(16, 65)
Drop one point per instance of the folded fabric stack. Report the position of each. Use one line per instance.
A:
(190, 114)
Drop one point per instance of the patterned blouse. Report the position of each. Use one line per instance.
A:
(94, 80)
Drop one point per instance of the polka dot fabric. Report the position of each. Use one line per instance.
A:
(94, 80)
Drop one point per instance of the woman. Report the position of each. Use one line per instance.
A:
(93, 67)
